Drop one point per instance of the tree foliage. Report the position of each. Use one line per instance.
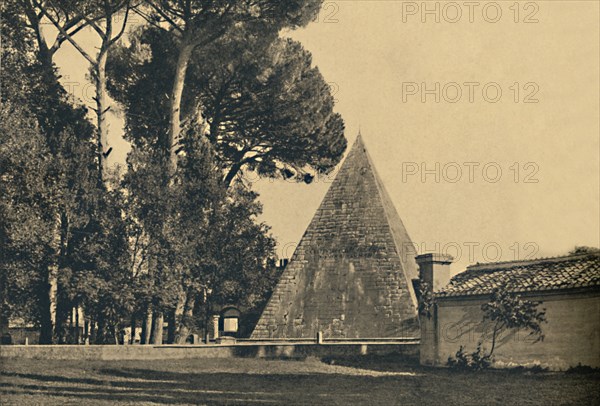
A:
(49, 185)
(69, 17)
(209, 90)
(505, 311)
(27, 201)
(508, 311)
(268, 109)
(195, 24)
(197, 236)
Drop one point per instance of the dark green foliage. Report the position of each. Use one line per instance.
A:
(267, 108)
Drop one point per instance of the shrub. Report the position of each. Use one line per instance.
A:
(426, 300)
(582, 369)
(475, 361)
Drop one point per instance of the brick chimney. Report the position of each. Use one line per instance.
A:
(434, 269)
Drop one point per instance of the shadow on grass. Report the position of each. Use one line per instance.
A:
(134, 385)
(145, 385)
(381, 363)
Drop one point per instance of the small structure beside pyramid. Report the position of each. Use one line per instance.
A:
(351, 274)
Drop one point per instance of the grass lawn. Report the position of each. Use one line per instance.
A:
(363, 381)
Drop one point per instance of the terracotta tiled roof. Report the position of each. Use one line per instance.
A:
(548, 274)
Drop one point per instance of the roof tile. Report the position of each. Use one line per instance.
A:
(572, 271)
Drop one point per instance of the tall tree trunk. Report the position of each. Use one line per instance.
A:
(171, 328)
(62, 315)
(92, 336)
(45, 306)
(207, 318)
(143, 331)
(71, 326)
(63, 305)
(77, 338)
(102, 107)
(49, 286)
(186, 318)
(183, 59)
(133, 329)
(101, 331)
(116, 335)
(44, 54)
(5, 312)
(157, 328)
(60, 318)
(3, 323)
(147, 327)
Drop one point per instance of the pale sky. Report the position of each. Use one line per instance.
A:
(535, 167)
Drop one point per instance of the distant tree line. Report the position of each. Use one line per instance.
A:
(209, 89)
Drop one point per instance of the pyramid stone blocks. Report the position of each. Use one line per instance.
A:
(351, 274)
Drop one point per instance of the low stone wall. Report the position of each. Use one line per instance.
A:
(253, 350)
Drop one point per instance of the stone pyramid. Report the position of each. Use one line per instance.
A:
(351, 274)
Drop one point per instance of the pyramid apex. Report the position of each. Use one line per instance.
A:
(359, 140)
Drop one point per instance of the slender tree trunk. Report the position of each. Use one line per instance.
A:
(77, 338)
(63, 305)
(133, 329)
(173, 135)
(172, 328)
(49, 286)
(152, 331)
(497, 328)
(143, 331)
(3, 323)
(116, 335)
(70, 336)
(5, 312)
(92, 337)
(102, 105)
(207, 318)
(147, 327)
(157, 328)
(186, 318)
(183, 59)
(101, 332)
(86, 331)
